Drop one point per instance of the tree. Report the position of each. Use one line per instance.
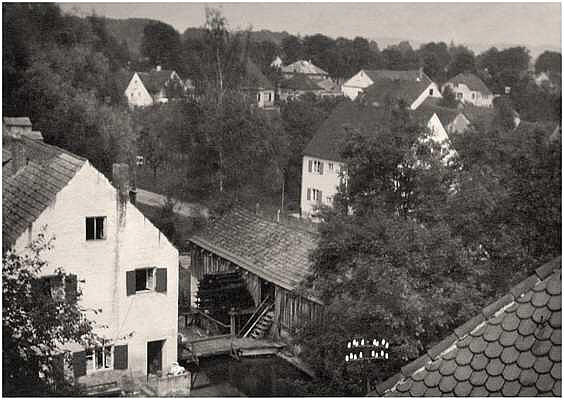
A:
(462, 61)
(161, 45)
(550, 62)
(293, 49)
(449, 98)
(435, 59)
(37, 321)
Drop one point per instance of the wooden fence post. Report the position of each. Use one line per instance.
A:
(232, 322)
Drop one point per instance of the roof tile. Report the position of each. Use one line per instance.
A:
(511, 389)
(432, 379)
(545, 383)
(526, 360)
(447, 384)
(463, 389)
(511, 372)
(494, 383)
(479, 362)
(479, 378)
(495, 367)
(509, 355)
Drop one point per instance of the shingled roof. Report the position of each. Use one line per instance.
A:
(406, 75)
(275, 252)
(155, 80)
(303, 67)
(400, 89)
(513, 348)
(472, 81)
(27, 193)
(300, 82)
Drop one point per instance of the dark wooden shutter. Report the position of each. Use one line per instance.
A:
(120, 357)
(320, 168)
(71, 288)
(130, 282)
(161, 280)
(310, 163)
(79, 363)
(309, 194)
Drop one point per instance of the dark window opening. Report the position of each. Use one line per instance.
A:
(144, 279)
(95, 228)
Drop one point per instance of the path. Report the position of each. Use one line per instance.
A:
(182, 208)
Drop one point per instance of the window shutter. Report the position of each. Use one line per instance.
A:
(79, 363)
(161, 280)
(130, 282)
(309, 194)
(71, 288)
(120, 357)
(320, 194)
(320, 168)
(310, 165)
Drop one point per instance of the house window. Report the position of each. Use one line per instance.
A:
(316, 195)
(144, 279)
(318, 167)
(95, 228)
(100, 358)
(331, 167)
(430, 92)
(473, 95)
(459, 95)
(258, 97)
(308, 194)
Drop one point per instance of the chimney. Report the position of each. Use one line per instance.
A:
(120, 179)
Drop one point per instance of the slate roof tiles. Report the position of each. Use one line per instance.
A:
(273, 251)
(515, 351)
(27, 193)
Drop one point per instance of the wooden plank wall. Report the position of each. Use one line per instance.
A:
(293, 311)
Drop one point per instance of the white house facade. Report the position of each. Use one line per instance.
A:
(155, 87)
(470, 89)
(137, 94)
(320, 182)
(123, 264)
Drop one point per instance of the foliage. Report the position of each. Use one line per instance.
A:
(36, 324)
(449, 98)
(161, 46)
(549, 61)
(462, 61)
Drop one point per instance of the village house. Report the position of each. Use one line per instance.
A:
(276, 63)
(297, 86)
(469, 88)
(323, 167)
(258, 88)
(154, 87)
(415, 81)
(123, 265)
(512, 348)
(273, 259)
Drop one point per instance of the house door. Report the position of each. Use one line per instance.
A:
(155, 357)
(266, 289)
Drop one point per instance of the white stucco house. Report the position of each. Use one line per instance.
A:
(154, 87)
(304, 67)
(418, 80)
(470, 89)
(122, 264)
(257, 87)
(323, 169)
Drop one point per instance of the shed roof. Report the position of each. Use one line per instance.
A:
(472, 81)
(513, 348)
(17, 121)
(275, 252)
(300, 82)
(34, 187)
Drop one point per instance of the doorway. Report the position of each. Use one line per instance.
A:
(155, 357)
(266, 290)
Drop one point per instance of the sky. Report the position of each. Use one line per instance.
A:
(530, 24)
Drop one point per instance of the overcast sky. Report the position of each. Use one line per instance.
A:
(532, 24)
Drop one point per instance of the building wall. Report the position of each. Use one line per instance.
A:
(131, 242)
(136, 93)
(265, 98)
(432, 91)
(354, 86)
(327, 183)
(459, 125)
(466, 95)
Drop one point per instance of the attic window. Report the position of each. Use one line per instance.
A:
(430, 92)
(95, 228)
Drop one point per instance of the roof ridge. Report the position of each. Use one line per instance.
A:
(540, 274)
(53, 147)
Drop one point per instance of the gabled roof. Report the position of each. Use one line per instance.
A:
(300, 82)
(405, 89)
(446, 115)
(327, 141)
(303, 67)
(254, 78)
(406, 75)
(17, 121)
(34, 187)
(275, 252)
(472, 81)
(513, 348)
(155, 80)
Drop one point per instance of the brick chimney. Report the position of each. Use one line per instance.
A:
(120, 180)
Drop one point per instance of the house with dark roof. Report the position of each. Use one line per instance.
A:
(469, 88)
(297, 86)
(512, 348)
(304, 67)
(323, 168)
(122, 264)
(272, 257)
(415, 85)
(257, 86)
(154, 87)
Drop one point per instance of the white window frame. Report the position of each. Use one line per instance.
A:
(92, 355)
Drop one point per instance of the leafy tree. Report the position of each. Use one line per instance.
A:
(435, 59)
(549, 61)
(462, 61)
(293, 49)
(37, 321)
(449, 98)
(161, 45)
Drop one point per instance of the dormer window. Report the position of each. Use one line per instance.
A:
(430, 92)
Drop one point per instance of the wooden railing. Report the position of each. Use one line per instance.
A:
(255, 318)
(220, 325)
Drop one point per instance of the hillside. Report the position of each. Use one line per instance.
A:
(130, 30)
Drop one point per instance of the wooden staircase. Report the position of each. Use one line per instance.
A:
(263, 326)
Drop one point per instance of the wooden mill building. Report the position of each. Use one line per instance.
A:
(272, 257)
